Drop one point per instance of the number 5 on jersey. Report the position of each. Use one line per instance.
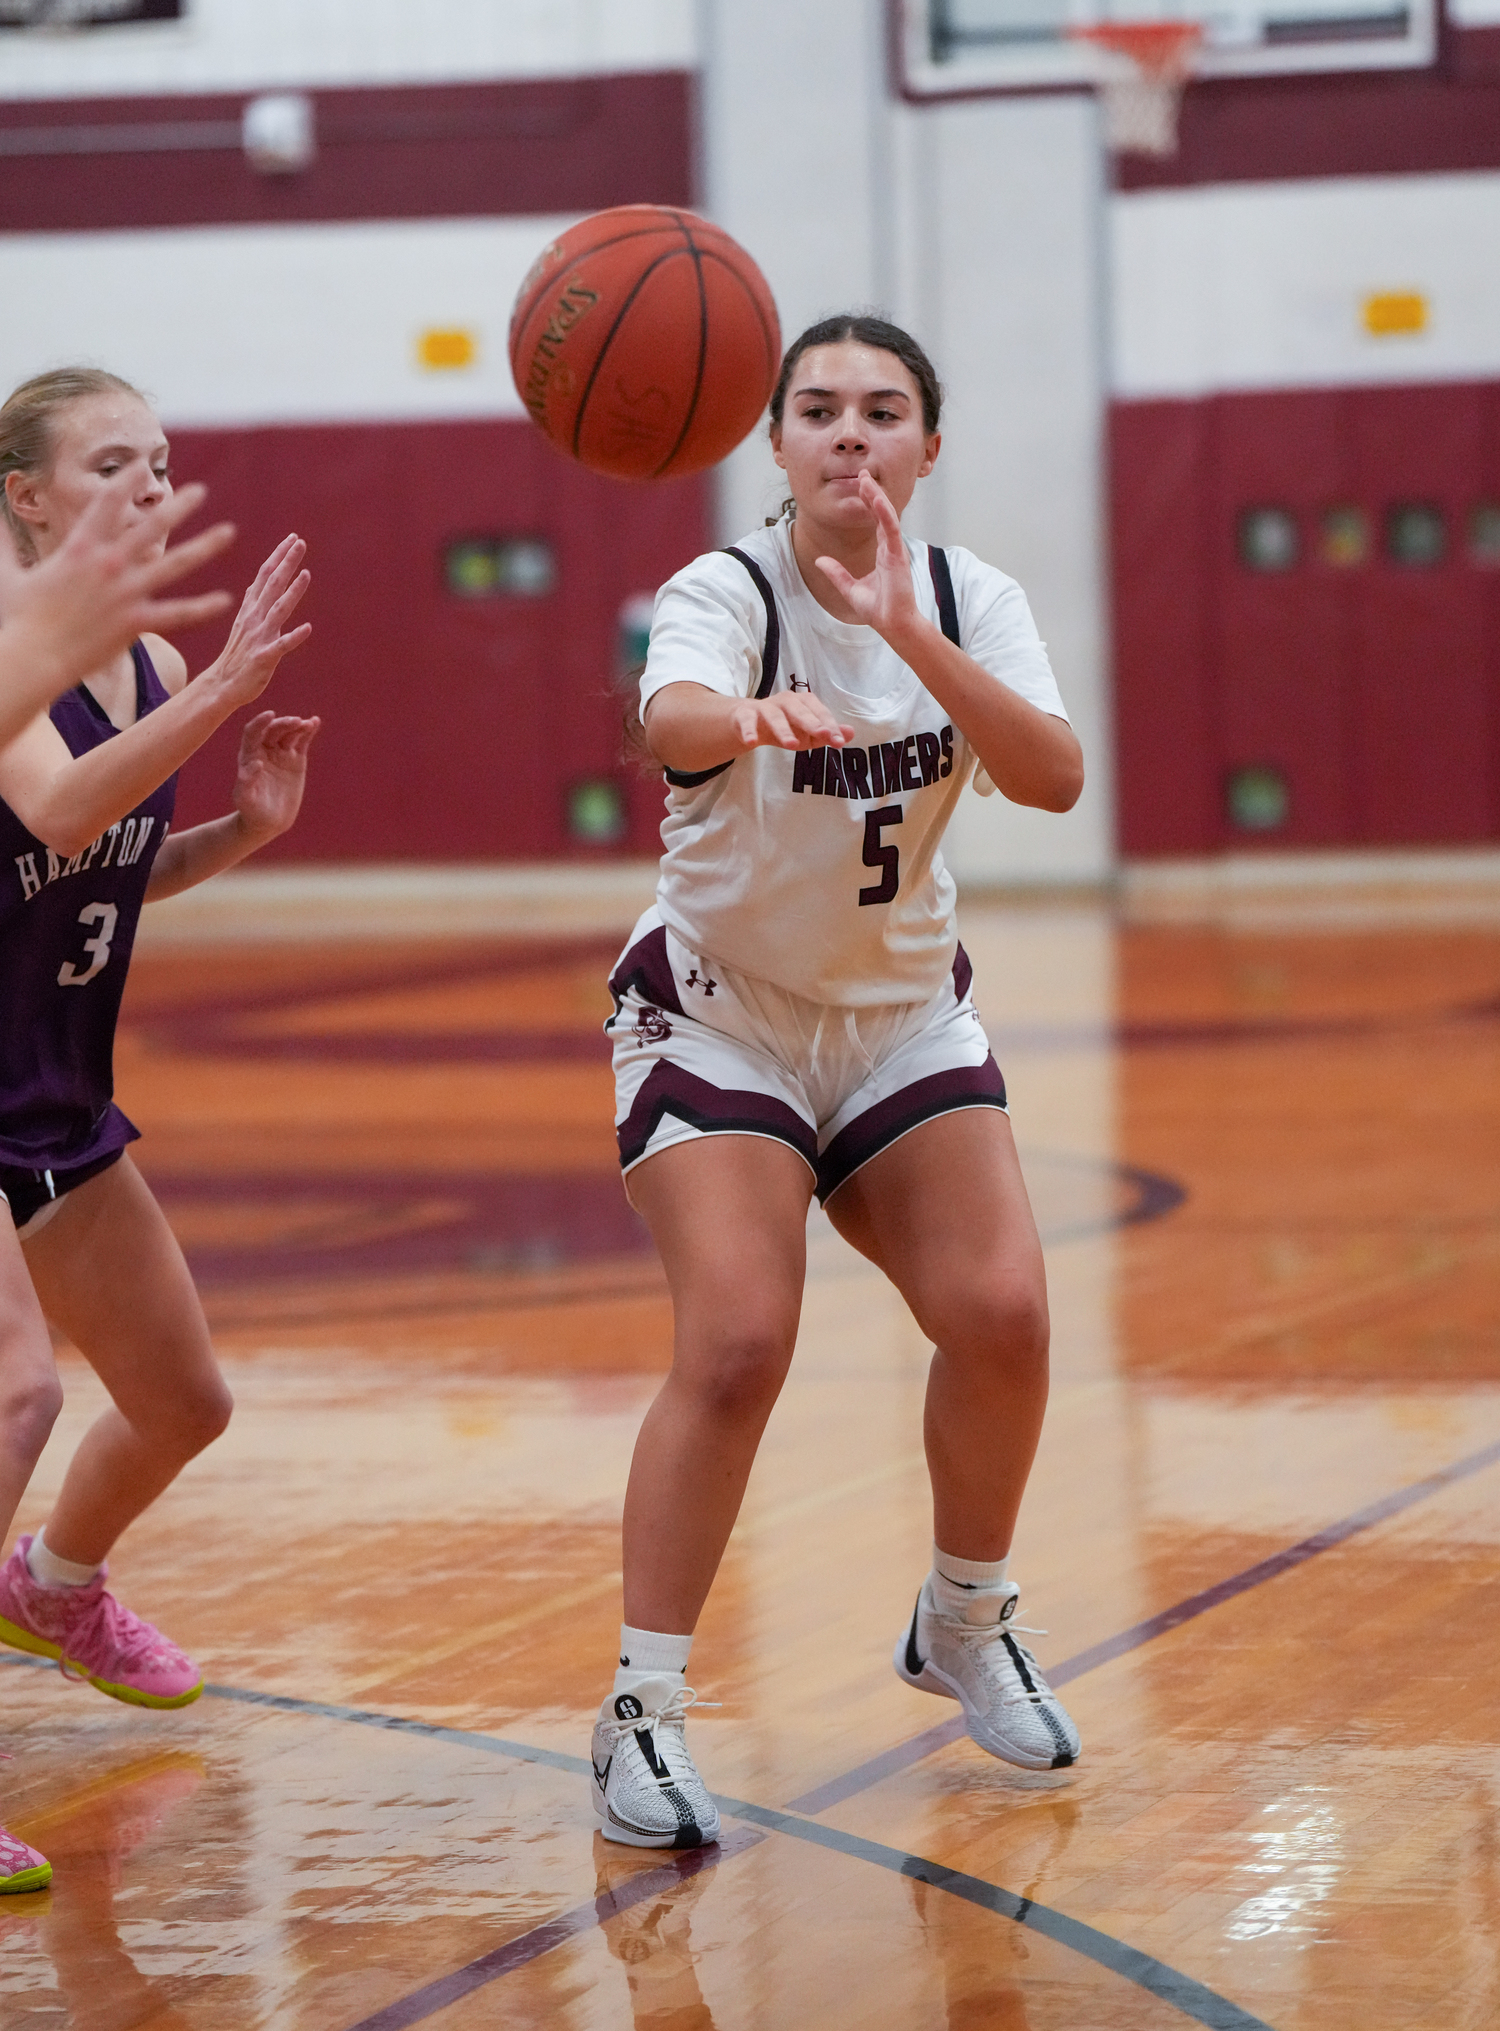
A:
(104, 915)
(885, 857)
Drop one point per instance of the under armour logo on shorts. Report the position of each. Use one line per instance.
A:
(695, 979)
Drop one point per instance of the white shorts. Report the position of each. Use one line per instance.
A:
(702, 1050)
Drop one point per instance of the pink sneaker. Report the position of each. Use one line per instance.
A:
(93, 1637)
(21, 1868)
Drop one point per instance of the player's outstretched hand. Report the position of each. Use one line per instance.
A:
(272, 772)
(787, 719)
(885, 599)
(260, 636)
(101, 588)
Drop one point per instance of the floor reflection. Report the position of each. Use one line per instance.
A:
(653, 1940)
(89, 1835)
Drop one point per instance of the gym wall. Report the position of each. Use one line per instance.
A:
(1305, 461)
(327, 349)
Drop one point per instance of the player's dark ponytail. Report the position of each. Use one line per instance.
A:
(865, 329)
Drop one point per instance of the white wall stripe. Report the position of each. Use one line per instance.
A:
(1246, 286)
(275, 324)
(245, 45)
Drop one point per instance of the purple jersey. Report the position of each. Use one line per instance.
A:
(66, 929)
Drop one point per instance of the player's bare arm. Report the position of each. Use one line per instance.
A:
(68, 800)
(88, 601)
(269, 782)
(689, 727)
(1029, 755)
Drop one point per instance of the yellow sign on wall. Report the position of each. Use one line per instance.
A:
(1390, 313)
(444, 348)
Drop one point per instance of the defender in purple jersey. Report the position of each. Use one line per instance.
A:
(85, 815)
(62, 619)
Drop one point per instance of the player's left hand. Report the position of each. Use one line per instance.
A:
(272, 772)
(885, 599)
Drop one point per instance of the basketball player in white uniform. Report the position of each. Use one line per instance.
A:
(794, 1016)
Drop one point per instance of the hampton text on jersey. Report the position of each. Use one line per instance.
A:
(129, 835)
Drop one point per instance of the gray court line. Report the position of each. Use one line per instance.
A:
(1181, 1991)
(1186, 1995)
(1192, 1998)
(529, 1946)
(890, 1761)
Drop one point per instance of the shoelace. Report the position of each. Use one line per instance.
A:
(672, 1714)
(1003, 1676)
(112, 1635)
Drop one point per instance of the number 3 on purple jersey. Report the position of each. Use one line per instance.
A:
(104, 915)
(876, 854)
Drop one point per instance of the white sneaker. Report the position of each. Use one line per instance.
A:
(645, 1788)
(1012, 1711)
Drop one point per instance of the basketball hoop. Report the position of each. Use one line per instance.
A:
(1140, 68)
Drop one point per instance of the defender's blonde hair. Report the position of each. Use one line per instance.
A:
(27, 439)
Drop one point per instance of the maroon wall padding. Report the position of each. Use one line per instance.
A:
(1164, 740)
(407, 152)
(453, 727)
(1349, 123)
(1373, 688)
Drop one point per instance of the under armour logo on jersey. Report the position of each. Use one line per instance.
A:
(694, 979)
(652, 1027)
(796, 683)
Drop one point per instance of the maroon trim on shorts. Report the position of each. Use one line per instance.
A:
(883, 1124)
(712, 1110)
(963, 974)
(645, 967)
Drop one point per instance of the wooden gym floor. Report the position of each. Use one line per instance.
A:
(1262, 1530)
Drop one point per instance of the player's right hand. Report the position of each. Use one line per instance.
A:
(787, 719)
(260, 637)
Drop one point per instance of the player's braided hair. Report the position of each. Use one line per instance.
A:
(26, 435)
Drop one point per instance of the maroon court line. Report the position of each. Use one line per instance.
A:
(931, 1739)
(541, 1939)
(530, 1946)
(424, 2003)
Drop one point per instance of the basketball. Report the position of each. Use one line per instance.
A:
(644, 342)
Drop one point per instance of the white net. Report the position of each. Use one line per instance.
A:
(1139, 72)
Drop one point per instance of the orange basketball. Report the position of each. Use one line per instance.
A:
(644, 342)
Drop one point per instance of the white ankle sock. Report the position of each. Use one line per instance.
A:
(970, 1590)
(646, 1653)
(48, 1570)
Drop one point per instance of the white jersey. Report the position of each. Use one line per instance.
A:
(820, 871)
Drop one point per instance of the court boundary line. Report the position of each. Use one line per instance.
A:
(1143, 1970)
(891, 1761)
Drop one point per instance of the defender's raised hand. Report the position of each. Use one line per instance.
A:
(272, 773)
(86, 602)
(260, 636)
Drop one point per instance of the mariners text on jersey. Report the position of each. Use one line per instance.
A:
(880, 770)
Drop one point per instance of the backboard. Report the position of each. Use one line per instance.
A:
(964, 47)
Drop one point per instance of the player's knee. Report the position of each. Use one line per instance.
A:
(199, 1416)
(738, 1379)
(1001, 1323)
(29, 1408)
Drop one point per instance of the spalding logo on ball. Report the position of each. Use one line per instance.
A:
(644, 342)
